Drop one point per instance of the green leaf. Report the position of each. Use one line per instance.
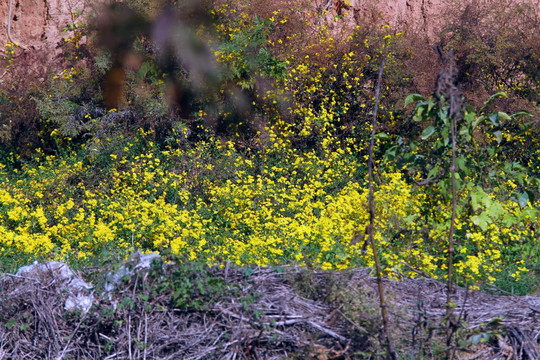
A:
(10, 323)
(498, 135)
(496, 321)
(430, 104)
(430, 130)
(382, 136)
(517, 166)
(443, 115)
(495, 96)
(469, 117)
(445, 135)
(476, 339)
(482, 221)
(479, 199)
(523, 199)
(494, 118)
(413, 98)
(495, 210)
(464, 131)
(521, 113)
(509, 220)
(417, 118)
(478, 121)
(460, 162)
(525, 127)
(391, 152)
(503, 116)
(419, 111)
(433, 172)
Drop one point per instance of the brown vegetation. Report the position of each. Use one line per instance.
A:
(257, 314)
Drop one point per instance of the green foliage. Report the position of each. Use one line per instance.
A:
(194, 287)
(246, 56)
(494, 194)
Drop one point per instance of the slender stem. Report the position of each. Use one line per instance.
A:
(371, 203)
(449, 313)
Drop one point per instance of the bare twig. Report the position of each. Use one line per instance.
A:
(371, 204)
(129, 336)
(145, 334)
(419, 272)
(327, 331)
(353, 323)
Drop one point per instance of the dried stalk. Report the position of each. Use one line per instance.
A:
(371, 204)
(286, 322)
(450, 327)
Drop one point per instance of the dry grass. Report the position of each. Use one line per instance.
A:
(257, 314)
